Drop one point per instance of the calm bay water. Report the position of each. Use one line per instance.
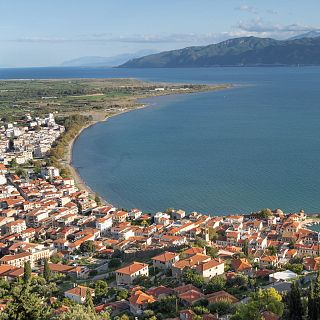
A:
(237, 150)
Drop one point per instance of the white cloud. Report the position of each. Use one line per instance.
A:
(144, 38)
(259, 27)
(247, 8)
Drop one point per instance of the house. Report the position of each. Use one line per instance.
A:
(73, 271)
(135, 214)
(192, 251)
(311, 263)
(268, 261)
(126, 275)
(160, 292)
(78, 294)
(140, 301)
(120, 216)
(211, 268)
(104, 224)
(241, 265)
(165, 260)
(17, 260)
(185, 288)
(16, 226)
(190, 297)
(192, 262)
(178, 215)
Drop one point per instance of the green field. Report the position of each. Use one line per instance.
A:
(38, 97)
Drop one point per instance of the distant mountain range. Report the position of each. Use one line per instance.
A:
(245, 51)
(310, 34)
(113, 61)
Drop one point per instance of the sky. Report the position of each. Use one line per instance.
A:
(49, 32)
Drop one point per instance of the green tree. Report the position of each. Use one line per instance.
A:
(114, 263)
(75, 312)
(295, 307)
(55, 258)
(143, 281)
(166, 306)
(122, 294)
(267, 299)
(213, 235)
(221, 307)
(100, 290)
(144, 223)
(246, 247)
(200, 310)
(264, 214)
(317, 293)
(216, 283)
(248, 311)
(212, 252)
(199, 242)
(239, 280)
(27, 272)
(312, 306)
(46, 270)
(190, 276)
(272, 250)
(97, 199)
(295, 267)
(90, 305)
(88, 246)
(25, 305)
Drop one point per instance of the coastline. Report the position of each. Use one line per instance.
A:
(100, 116)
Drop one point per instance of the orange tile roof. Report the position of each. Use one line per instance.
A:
(209, 264)
(191, 261)
(132, 268)
(241, 264)
(80, 291)
(191, 296)
(166, 256)
(141, 298)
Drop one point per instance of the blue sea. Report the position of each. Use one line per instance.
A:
(232, 151)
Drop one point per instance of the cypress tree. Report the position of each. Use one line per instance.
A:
(90, 305)
(246, 247)
(295, 306)
(46, 270)
(317, 294)
(317, 286)
(312, 308)
(27, 272)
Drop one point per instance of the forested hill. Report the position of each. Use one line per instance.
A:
(246, 51)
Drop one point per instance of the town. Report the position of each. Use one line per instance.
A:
(127, 264)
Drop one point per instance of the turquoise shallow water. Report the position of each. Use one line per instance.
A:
(238, 150)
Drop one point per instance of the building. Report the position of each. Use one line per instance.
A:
(126, 275)
(140, 301)
(78, 294)
(16, 226)
(210, 269)
(104, 224)
(165, 260)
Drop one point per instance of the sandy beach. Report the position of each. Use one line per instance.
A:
(97, 116)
